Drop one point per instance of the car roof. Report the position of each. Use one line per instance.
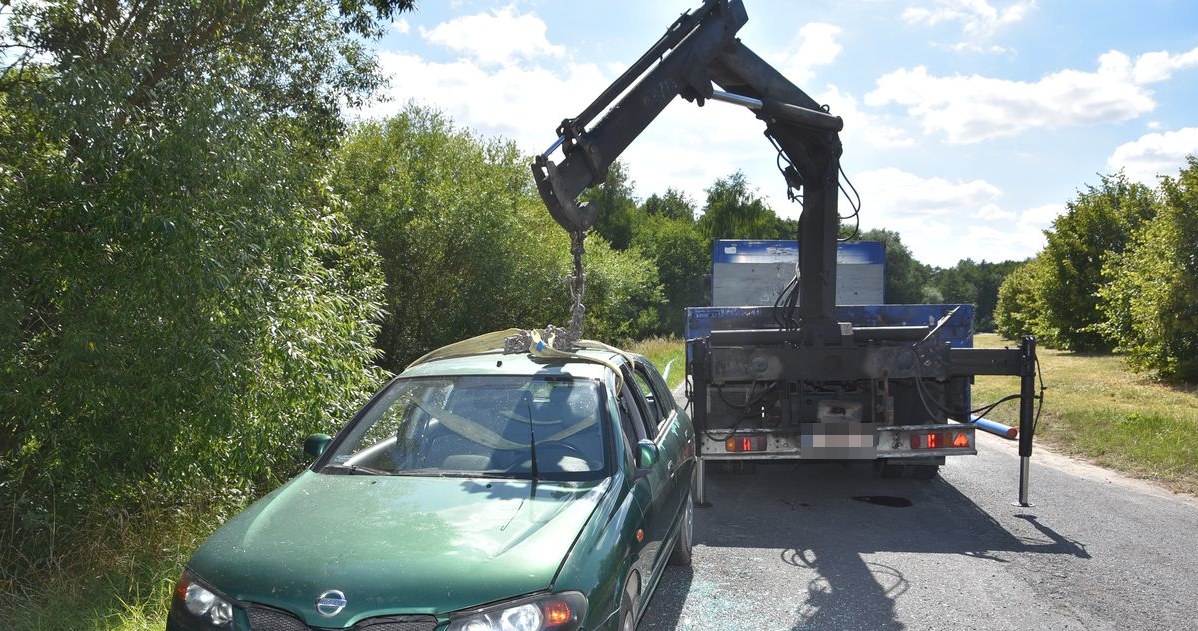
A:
(583, 363)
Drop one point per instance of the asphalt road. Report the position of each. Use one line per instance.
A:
(789, 547)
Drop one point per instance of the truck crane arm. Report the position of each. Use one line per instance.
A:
(697, 51)
(819, 371)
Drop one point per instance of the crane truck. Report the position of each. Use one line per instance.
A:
(802, 378)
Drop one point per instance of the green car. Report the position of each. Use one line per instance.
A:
(489, 491)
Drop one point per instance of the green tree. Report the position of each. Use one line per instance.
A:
(1151, 301)
(682, 257)
(1098, 224)
(976, 283)
(623, 294)
(673, 204)
(1019, 309)
(732, 211)
(616, 206)
(467, 244)
(182, 299)
(905, 277)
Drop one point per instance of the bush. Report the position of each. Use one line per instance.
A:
(1019, 310)
(467, 244)
(181, 298)
(1098, 224)
(1151, 303)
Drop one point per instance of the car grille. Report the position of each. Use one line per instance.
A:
(398, 623)
(269, 619)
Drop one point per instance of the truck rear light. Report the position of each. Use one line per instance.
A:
(940, 440)
(737, 444)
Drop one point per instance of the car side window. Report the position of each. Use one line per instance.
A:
(631, 415)
(645, 388)
(638, 405)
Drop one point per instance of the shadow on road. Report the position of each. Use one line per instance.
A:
(813, 518)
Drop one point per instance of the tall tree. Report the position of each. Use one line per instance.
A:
(906, 278)
(463, 235)
(733, 211)
(1097, 224)
(1020, 308)
(672, 204)
(181, 299)
(682, 257)
(1151, 301)
(616, 206)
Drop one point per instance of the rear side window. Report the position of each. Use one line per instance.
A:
(645, 389)
(631, 417)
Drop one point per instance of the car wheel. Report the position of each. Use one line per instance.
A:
(686, 534)
(627, 614)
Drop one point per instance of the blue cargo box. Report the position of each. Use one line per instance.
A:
(958, 332)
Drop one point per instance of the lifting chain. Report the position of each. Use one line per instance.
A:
(562, 339)
(577, 283)
(565, 339)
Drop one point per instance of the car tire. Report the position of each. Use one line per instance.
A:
(627, 613)
(686, 535)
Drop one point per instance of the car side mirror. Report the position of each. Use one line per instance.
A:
(315, 444)
(646, 454)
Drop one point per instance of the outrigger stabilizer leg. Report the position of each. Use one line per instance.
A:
(1027, 417)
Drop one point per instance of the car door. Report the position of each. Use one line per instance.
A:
(673, 436)
(652, 487)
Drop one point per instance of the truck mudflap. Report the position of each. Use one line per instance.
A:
(842, 441)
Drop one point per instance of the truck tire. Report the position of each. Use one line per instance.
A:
(904, 471)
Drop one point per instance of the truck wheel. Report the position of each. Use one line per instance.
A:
(898, 470)
(686, 530)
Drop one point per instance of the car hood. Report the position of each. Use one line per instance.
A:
(396, 544)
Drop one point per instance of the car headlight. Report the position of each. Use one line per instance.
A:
(543, 612)
(200, 607)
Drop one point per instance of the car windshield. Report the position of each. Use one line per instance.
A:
(480, 426)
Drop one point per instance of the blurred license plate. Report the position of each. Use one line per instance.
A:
(839, 441)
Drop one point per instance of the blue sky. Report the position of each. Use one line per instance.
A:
(968, 123)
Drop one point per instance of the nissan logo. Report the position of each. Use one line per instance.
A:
(330, 603)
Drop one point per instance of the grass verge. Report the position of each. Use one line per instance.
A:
(117, 574)
(1097, 408)
(662, 351)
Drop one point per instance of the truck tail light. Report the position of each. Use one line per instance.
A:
(940, 440)
(737, 444)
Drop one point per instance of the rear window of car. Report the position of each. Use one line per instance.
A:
(480, 426)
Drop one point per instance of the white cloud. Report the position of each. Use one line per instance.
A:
(979, 20)
(524, 104)
(1160, 65)
(815, 45)
(875, 130)
(1155, 154)
(972, 108)
(943, 221)
(499, 37)
(401, 26)
(897, 194)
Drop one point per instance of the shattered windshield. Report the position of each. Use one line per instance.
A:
(484, 426)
